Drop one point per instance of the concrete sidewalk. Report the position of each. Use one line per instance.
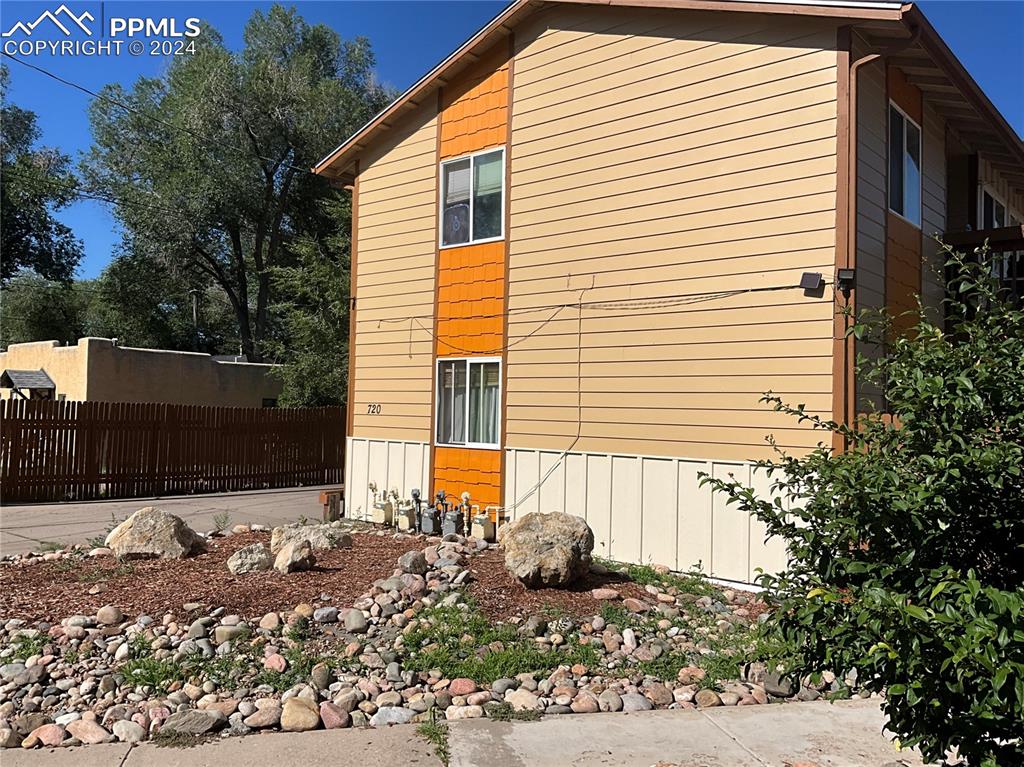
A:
(27, 527)
(846, 734)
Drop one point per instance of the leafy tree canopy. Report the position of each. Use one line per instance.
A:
(34, 183)
(209, 166)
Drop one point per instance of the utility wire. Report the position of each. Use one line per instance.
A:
(129, 108)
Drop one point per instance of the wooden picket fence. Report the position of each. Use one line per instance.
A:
(62, 451)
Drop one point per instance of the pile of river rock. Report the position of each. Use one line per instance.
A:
(71, 690)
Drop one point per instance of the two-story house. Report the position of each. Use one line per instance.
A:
(588, 241)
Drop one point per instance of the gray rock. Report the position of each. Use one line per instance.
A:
(152, 532)
(318, 536)
(355, 621)
(777, 685)
(127, 731)
(326, 615)
(194, 721)
(413, 562)
(632, 701)
(250, 559)
(501, 685)
(547, 549)
(391, 715)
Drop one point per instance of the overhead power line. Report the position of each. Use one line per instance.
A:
(129, 108)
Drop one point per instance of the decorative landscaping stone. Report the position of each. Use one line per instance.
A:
(326, 615)
(128, 731)
(522, 700)
(294, 556)
(299, 715)
(462, 686)
(355, 622)
(707, 698)
(267, 716)
(547, 549)
(109, 615)
(44, 735)
(250, 559)
(89, 732)
(333, 716)
(605, 595)
(152, 532)
(635, 702)
(609, 700)
(194, 722)
(318, 536)
(463, 712)
(391, 715)
(413, 562)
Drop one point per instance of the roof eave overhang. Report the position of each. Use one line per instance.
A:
(337, 165)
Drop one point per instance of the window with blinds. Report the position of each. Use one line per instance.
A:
(472, 198)
(468, 402)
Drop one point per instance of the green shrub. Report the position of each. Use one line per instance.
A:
(906, 550)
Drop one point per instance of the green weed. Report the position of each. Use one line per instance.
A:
(436, 733)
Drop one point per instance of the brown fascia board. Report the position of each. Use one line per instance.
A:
(947, 61)
(338, 163)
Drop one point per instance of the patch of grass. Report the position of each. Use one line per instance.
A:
(175, 739)
(150, 672)
(124, 567)
(47, 546)
(27, 646)
(436, 733)
(299, 631)
(503, 712)
(221, 521)
(693, 582)
(300, 666)
(463, 642)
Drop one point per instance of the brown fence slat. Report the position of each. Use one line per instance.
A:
(62, 451)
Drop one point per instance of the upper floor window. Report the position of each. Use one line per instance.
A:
(473, 198)
(904, 166)
(993, 212)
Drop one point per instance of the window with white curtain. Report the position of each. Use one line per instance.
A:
(473, 198)
(468, 402)
(904, 165)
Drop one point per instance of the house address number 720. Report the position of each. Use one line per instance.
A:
(373, 408)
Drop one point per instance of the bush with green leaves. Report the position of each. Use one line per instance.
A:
(906, 549)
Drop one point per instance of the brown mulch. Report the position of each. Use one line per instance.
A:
(501, 596)
(51, 591)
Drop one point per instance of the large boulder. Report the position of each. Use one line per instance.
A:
(319, 536)
(547, 549)
(150, 532)
(250, 559)
(294, 557)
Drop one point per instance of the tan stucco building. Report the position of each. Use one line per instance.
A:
(98, 370)
(579, 243)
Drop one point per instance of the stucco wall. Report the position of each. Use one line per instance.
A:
(96, 370)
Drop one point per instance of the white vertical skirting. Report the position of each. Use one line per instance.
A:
(651, 509)
(388, 463)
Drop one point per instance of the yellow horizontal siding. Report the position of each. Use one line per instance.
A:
(656, 155)
(395, 233)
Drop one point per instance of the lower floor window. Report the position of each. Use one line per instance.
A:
(468, 401)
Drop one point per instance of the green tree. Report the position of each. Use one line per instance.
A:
(314, 317)
(33, 308)
(906, 551)
(34, 183)
(147, 302)
(209, 166)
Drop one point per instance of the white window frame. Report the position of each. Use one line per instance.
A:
(920, 150)
(1008, 215)
(437, 402)
(440, 197)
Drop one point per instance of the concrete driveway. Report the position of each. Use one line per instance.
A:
(31, 526)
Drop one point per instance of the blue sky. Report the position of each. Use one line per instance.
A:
(408, 38)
